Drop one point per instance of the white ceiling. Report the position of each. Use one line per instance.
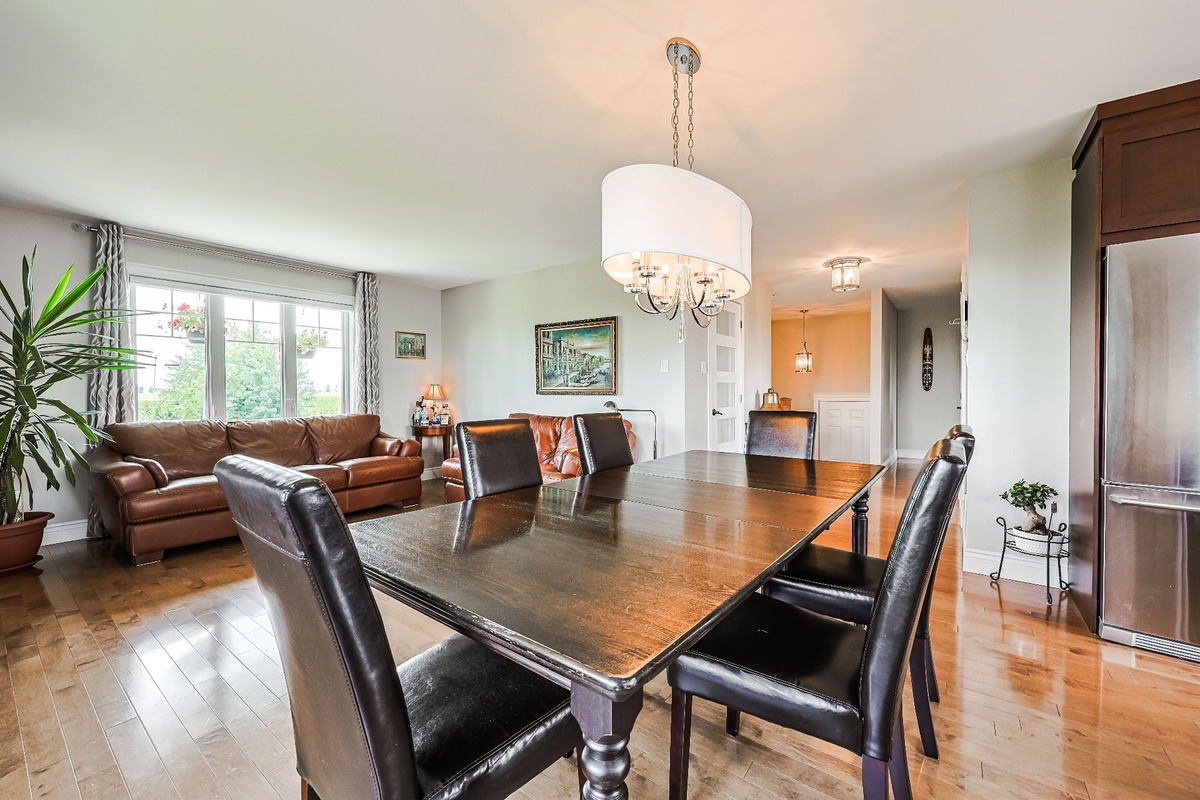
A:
(449, 142)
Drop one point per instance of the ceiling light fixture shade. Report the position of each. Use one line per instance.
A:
(845, 272)
(675, 240)
(804, 359)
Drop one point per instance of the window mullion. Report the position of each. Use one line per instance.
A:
(214, 344)
(289, 360)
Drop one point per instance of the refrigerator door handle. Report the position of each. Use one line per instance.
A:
(1121, 500)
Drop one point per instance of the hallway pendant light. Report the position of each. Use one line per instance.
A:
(676, 241)
(804, 358)
(845, 272)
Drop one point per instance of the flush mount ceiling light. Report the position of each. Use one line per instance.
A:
(804, 359)
(674, 239)
(845, 272)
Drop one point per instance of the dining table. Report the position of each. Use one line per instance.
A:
(599, 582)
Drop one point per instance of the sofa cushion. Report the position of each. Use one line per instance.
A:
(341, 437)
(178, 498)
(381, 469)
(185, 449)
(280, 441)
(332, 475)
(452, 469)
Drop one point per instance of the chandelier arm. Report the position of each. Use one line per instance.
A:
(707, 320)
(637, 299)
(716, 311)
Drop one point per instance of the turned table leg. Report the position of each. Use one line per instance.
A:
(858, 525)
(606, 725)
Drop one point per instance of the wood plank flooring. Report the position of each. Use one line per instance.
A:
(164, 681)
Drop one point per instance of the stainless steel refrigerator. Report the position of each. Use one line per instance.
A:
(1150, 580)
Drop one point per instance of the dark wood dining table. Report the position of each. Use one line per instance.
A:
(599, 583)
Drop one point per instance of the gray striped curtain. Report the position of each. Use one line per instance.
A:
(366, 343)
(110, 393)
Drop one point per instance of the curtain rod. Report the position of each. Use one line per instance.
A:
(223, 251)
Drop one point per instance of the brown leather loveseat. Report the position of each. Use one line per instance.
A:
(557, 449)
(154, 487)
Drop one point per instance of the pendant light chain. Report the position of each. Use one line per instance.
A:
(675, 115)
(691, 124)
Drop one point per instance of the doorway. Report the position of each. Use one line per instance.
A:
(726, 381)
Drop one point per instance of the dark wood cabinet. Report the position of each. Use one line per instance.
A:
(1137, 177)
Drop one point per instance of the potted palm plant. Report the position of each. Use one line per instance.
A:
(44, 352)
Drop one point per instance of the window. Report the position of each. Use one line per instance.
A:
(273, 359)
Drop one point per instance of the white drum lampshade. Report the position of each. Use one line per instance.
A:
(667, 216)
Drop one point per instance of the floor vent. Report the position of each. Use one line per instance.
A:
(1167, 646)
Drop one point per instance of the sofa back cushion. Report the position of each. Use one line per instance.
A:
(280, 441)
(185, 449)
(548, 433)
(340, 437)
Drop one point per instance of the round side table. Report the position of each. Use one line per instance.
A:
(444, 431)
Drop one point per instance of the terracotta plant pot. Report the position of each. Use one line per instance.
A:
(20, 541)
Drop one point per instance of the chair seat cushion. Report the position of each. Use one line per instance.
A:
(482, 725)
(178, 498)
(332, 475)
(782, 664)
(830, 581)
(370, 470)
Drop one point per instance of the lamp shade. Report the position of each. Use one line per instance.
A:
(434, 392)
(667, 216)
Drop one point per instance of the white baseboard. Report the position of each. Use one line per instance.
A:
(431, 474)
(69, 531)
(918, 454)
(1017, 566)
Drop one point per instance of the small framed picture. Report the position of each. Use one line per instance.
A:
(410, 345)
(578, 357)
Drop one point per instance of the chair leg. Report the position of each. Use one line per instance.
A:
(681, 743)
(733, 721)
(935, 694)
(875, 779)
(920, 688)
(898, 766)
(579, 770)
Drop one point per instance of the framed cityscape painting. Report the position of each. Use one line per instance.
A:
(410, 345)
(577, 357)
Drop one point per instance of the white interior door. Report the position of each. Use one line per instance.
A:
(726, 378)
(842, 429)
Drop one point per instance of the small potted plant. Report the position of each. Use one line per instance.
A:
(46, 349)
(191, 320)
(1029, 497)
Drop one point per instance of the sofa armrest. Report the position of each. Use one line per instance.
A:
(410, 447)
(122, 477)
(569, 463)
(384, 445)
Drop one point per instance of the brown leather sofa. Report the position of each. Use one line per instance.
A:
(557, 449)
(154, 487)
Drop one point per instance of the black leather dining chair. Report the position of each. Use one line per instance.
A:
(457, 721)
(838, 682)
(790, 434)
(603, 442)
(497, 455)
(844, 585)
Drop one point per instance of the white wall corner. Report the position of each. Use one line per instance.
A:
(917, 454)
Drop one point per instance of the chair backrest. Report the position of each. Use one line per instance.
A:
(602, 441)
(906, 578)
(966, 437)
(790, 434)
(497, 455)
(348, 711)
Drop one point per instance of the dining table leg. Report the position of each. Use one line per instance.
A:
(858, 525)
(606, 725)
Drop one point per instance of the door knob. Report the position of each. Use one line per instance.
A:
(717, 413)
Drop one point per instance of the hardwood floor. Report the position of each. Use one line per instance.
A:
(163, 681)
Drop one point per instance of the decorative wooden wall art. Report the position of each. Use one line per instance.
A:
(927, 360)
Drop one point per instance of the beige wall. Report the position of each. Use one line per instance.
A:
(841, 348)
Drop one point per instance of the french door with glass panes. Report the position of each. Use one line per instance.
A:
(726, 378)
